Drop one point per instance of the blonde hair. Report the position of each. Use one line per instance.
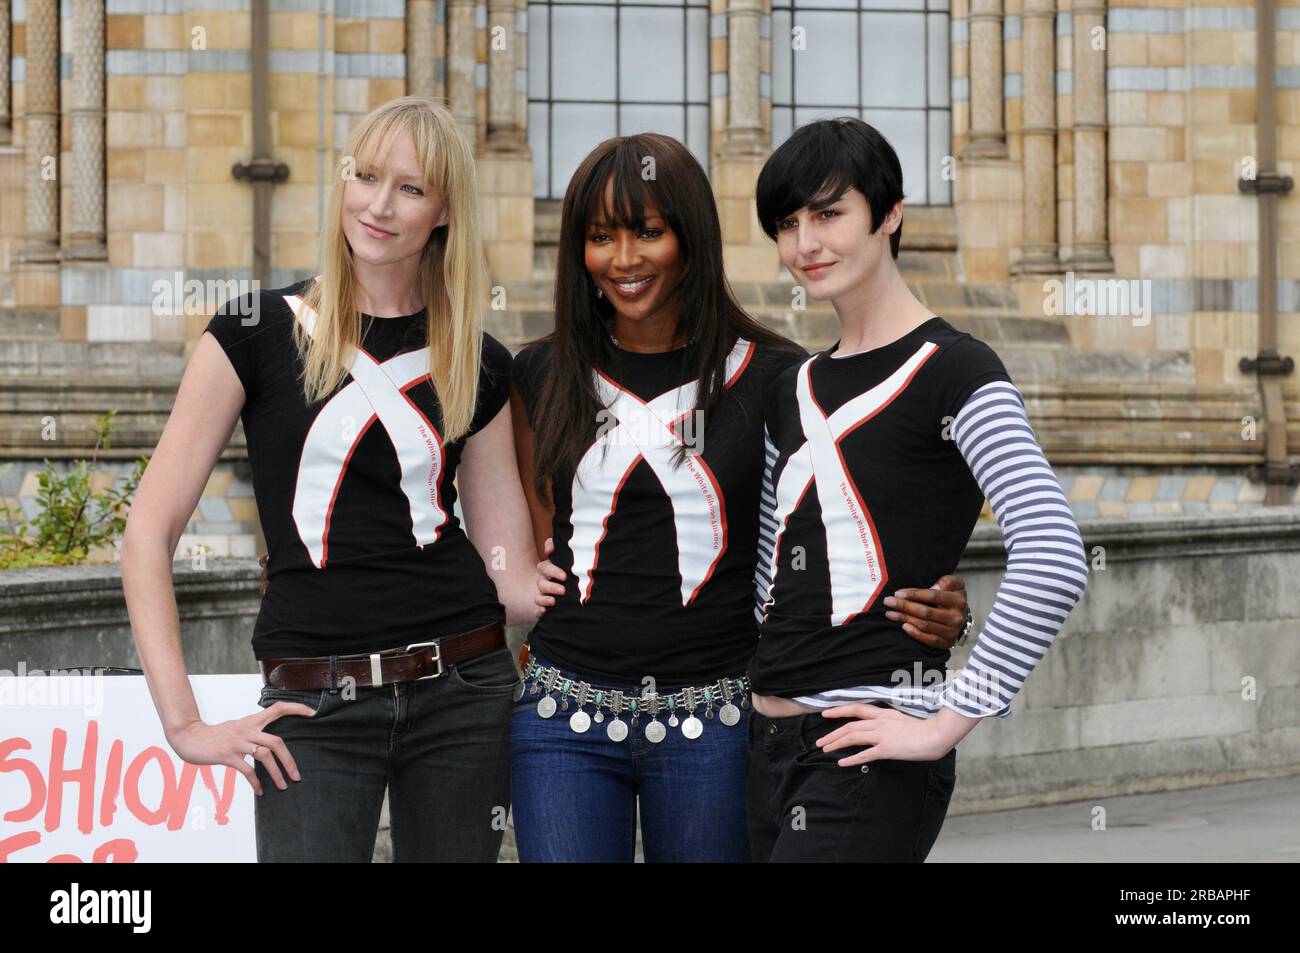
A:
(452, 275)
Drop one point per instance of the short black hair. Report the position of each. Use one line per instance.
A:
(825, 159)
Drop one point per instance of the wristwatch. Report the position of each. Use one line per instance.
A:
(965, 629)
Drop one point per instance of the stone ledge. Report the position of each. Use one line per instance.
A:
(1264, 529)
(26, 594)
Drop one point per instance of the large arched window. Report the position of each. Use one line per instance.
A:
(884, 61)
(613, 68)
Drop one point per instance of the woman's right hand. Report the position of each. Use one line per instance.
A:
(550, 578)
(230, 742)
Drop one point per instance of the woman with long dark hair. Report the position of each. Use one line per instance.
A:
(640, 436)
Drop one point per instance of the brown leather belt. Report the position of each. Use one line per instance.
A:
(416, 661)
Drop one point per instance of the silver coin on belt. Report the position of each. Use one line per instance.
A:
(551, 684)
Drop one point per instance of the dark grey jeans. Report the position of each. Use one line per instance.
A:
(803, 807)
(440, 747)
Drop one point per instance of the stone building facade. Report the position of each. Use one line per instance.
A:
(1088, 191)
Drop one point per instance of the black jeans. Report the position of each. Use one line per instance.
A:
(804, 807)
(440, 747)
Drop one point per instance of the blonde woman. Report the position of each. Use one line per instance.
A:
(364, 392)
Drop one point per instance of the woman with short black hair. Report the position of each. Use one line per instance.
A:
(883, 449)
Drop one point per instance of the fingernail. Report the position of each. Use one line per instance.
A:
(890, 600)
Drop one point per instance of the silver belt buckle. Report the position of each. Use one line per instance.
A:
(437, 657)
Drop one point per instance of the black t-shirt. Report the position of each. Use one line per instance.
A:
(878, 500)
(660, 581)
(366, 552)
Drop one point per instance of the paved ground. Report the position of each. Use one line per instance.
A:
(1254, 821)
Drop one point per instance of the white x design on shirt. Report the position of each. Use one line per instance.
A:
(853, 552)
(646, 431)
(376, 392)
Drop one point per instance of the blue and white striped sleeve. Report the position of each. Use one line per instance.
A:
(766, 528)
(1046, 567)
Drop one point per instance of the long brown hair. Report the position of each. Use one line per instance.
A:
(580, 342)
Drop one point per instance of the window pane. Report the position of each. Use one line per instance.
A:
(540, 143)
(697, 55)
(576, 129)
(667, 120)
(582, 53)
(905, 130)
(650, 65)
(781, 57)
(893, 64)
(697, 134)
(940, 149)
(538, 50)
(893, 4)
(826, 71)
(782, 125)
(806, 114)
(939, 87)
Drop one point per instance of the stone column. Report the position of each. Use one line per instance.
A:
(505, 166)
(744, 133)
(422, 48)
(1038, 56)
(84, 237)
(462, 42)
(1091, 251)
(743, 140)
(504, 130)
(988, 137)
(6, 117)
(41, 121)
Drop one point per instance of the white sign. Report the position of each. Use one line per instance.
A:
(87, 776)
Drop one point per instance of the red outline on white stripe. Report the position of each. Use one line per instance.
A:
(836, 440)
(296, 303)
(750, 349)
(604, 526)
(343, 471)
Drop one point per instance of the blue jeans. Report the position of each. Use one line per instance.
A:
(439, 747)
(576, 795)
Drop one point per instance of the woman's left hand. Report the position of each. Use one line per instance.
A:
(892, 735)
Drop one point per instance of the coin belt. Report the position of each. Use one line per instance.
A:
(551, 682)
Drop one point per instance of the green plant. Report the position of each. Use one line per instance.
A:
(72, 517)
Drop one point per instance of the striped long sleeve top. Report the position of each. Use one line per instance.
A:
(912, 513)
